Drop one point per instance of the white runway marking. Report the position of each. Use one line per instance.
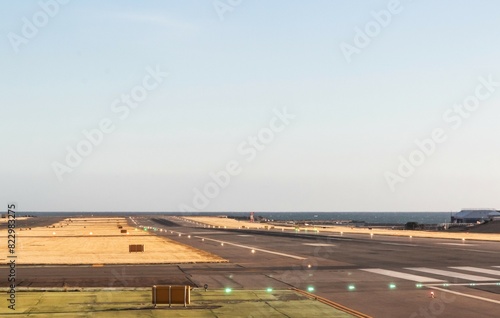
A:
(457, 244)
(205, 233)
(398, 244)
(415, 278)
(479, 251)
(465, 295)
(253, 248)
(318, 244)
(245, 235)
(341, 237)
(478, 270)
(451, 274)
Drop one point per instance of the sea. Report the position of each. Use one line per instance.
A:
(367, 217)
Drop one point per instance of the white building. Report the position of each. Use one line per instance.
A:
(475, 215)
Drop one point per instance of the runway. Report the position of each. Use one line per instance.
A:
(381, 276)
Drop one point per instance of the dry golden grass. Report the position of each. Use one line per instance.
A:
(235, 224)
(98, 241)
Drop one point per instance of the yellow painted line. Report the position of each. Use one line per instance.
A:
(97, 265)
(332, 304)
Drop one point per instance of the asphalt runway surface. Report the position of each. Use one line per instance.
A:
(381, 276)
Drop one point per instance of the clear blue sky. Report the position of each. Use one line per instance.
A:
(230, 68)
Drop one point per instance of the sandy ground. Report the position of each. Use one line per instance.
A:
(5, 220)
(235, 224)
(97, 241)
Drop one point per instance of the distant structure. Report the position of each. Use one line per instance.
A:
(251, 217)
(475, 216)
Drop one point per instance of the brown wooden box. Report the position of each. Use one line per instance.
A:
(171, 295)
(134, 248)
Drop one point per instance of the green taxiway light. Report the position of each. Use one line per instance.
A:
(392, 286)
(351, 287)
(310, 289)
(269, 290)
(419, 285)
(228, 290)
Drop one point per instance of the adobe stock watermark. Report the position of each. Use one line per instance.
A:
(436, 307)
(222, 7)
(454, 117)
(364, 36)
(40, 19)
(249, 149)
(301, 273)
(121, 107)
(118, 279)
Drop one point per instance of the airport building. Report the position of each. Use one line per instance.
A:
(475, 216)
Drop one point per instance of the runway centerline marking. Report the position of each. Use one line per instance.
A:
(457, 244)
(318, 244)
(451, 274)
(415, 278)
(254, 248)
